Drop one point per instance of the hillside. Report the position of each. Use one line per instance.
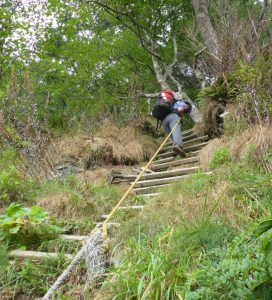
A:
(96, 200)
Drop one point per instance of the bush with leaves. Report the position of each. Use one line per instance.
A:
(241, 271)
(26, 226)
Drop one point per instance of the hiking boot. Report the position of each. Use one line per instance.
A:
(178, 150)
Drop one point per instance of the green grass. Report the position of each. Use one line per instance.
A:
(198, 239)
(30, 278)
(220, 158)
(14, 185)
(156, 268)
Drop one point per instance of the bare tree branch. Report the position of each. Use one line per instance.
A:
(262, 14)
(116, 14)
(140, 63)
(151, 95)
(160, 77)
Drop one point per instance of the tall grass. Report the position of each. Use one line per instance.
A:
(197, 239)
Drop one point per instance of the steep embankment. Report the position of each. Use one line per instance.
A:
(200, 238)
(202, 224)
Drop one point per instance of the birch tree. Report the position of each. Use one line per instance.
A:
(206, 28)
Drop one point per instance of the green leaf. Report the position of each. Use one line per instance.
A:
(13, 209)
(15, 229)
(264, 226)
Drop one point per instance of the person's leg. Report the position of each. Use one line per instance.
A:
(169, 122)
(176, 134)
(165, 124)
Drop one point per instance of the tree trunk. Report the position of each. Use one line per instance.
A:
(205, 27)
(160, 77)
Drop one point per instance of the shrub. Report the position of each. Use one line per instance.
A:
(25, 226)
(239, 272)
(220, 157)
(13, 186)
(30, 278)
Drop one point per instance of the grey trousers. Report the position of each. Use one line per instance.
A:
(168, 123)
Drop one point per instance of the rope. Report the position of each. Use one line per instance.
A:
(80, 254)
(105, 227)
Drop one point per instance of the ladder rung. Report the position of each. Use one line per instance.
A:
(72, 237)
(132, 207)
(150, 195)
(108, 224)
(36, 255)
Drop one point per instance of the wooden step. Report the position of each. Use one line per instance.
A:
(187, 132)
(185, 144)
(160, 181)
(175, 163)
(153, 175)
(170, 173)
(104, 216)
(139, 171)
(149, 189)
(108, 224)
(187, 149)
(163, 160)
(150, 195)
(184, 139)
(36, 255)
(188, 137)
(72, 237)
(131, 207)
(172, 158)
(197, 147)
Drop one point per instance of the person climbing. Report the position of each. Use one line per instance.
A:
(169, 111)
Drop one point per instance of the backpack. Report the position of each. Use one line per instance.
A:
(163, 105)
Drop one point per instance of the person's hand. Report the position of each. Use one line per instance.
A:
(183, 110)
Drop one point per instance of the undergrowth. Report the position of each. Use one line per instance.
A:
(14, 185)
(30, 278)
(199, 239)
(60, 206)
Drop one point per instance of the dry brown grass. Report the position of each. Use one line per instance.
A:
(58, 205)
(258, 137)
(96, 177)
(109, 146)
